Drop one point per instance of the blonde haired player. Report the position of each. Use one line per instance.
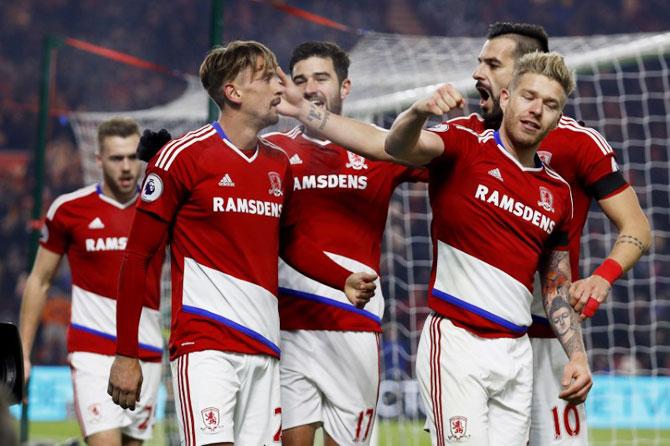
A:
(224, 199)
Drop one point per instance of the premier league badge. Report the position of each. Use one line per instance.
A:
(152, 189)
(275, 184)
(356, 162)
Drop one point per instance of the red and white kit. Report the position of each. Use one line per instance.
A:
(492, 220)
(225, 209)
(586, 161)
(92, 229)
(340, 201)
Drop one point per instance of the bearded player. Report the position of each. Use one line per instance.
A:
(90, 226)
(584, 159)
(330, 349)
(224, 200)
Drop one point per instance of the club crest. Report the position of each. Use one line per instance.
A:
(356, 162)
(458, 427)
(275, 184)
(210, 419)
(545, 157)
(546, 199)
(94, 412)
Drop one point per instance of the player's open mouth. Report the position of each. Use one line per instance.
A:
(530, 125)
(484, 94)
(275, 102)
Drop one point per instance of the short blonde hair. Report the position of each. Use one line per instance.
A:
(551, 65)
(223, 64)
(119, 126)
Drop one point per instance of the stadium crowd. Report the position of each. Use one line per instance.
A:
(175, 34)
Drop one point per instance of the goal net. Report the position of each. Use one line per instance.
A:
(623, 90)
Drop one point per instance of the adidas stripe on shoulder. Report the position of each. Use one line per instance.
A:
(79, 193)
(171, 151)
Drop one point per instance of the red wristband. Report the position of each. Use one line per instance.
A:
(610, 270)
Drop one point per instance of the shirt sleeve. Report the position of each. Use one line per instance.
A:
(599, 171)
(300, 252)
(147, 236)
(55, 237)
(166, 186)
(559, 239)
(415, 175)
(457, 142)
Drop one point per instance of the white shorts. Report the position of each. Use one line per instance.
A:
(554, 422)
(224, 397)
(96, 412)
(331, 377)
(476, 391)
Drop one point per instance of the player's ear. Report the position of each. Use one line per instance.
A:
(345, 88)
(504, 98)
(232, 93)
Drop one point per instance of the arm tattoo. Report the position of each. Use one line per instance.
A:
(314, 113)
(562, 318)
(317, 115)
(326, 115)
(631, 240)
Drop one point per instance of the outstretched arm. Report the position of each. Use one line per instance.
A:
(362, 138)
(407, 141)
(555, 278)
(623, 209)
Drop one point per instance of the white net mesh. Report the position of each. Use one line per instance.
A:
(623, 90)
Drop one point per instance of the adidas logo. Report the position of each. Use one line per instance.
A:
(226, 181)
(295, 159)
(96, 223)
(495, 173)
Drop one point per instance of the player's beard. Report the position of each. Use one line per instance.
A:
(493, 118)
(333, 104)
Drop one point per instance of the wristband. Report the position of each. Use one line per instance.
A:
(609, 270)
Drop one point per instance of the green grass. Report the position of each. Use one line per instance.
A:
(390, 434)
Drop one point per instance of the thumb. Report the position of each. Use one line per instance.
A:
(369, 277)
(567, 376)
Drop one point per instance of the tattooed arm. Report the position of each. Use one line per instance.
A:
(555, 277)
(623, 209)
(362, 138)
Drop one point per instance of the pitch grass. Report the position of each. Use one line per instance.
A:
(390, 434)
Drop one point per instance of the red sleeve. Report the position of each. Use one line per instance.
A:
(597, 166)
(55, 236)
(165, 186)
(302, 254)
(147, 236)
(415, 175)
(559, 238)
(457, 141)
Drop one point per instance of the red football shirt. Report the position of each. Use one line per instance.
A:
(586, 161)
(492, 220)
(340, 201)
(92, 230)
